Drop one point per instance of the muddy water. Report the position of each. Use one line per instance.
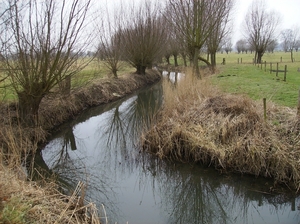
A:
(101, 149)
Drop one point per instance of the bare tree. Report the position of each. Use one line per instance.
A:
(241, 46)
(42, 49)
(297, 45)
(173, 45)
(227, 45)
(220, 31)
(108, 30)
(195, 20)
(143, 37)
(174, 48)
(260, 27)
(272, 45)
(289, 38)
(168, 51)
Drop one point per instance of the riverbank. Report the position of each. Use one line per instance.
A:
(23, 201)
(201, 124)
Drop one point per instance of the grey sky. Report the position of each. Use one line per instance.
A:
(289, 10)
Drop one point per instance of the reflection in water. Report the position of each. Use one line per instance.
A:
(173, 77)
(191, 194)
(100, 148)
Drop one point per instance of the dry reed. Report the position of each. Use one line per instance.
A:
(42, 204)
(199, 123)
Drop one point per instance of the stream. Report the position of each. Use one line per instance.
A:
(101, 148)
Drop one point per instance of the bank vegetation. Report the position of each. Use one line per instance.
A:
(201, 124)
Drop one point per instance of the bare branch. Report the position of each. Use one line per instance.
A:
(42, 46)
(260, 27)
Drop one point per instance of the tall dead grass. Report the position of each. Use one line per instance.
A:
(26, 202)
(199, 123)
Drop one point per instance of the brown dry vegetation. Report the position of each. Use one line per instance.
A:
(24, 201)
(201, 124)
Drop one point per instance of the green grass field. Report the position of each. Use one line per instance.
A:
(249, 79)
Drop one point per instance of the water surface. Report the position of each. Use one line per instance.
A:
(101, 148)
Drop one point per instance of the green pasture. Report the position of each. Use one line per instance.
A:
(252, 80)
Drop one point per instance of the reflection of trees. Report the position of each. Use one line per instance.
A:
(69, 170)
(198, 195)
(39, 169)
(116, 130)
(119, 123)
(173, 77)
(124, 125)
(141, 112)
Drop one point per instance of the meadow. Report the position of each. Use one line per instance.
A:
(258, 83)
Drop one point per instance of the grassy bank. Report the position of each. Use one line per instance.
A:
(24, 201)
(200, 123)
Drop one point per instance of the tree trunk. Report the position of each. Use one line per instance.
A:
(213, 61)
(196, 70)
(115, 73)
(168, 59)
(184, 60)
(141, 69)
(175, 60)
(259, 57)
(65, 85)
(292, 59)
(28, 108)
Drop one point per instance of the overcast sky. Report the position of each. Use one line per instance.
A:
(289, 10)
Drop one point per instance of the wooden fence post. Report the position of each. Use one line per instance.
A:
(224, 62)
(265, 66)
(241, 60)
(238, 60)
(285, 70)
(298, 107)
(270, 67)
(265, 108)
(277, 69)
(280, 59)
